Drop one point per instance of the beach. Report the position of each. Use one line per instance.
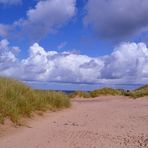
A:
(103, 122)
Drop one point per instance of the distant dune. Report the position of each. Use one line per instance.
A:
(137, 93)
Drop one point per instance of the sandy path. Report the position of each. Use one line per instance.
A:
(108, 122)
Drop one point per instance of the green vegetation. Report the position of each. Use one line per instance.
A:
(80, 94)
(140, 92)
(96, 93)
(105, 91)
(143, 88)
(18, 100)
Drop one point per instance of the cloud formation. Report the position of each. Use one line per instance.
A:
(44, 18)
(128, 63)
(10, 2)
(8, 59)
(112, 19)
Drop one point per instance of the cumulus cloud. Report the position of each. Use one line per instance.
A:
(8, 59)
(128, 63)
(10, 2)
(44, 18)
(55, 66)
(112, 19)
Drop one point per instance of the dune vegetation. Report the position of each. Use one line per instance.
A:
(18, 100)
(97, 93)
(80, 94)
(137, 93)
(105, 91)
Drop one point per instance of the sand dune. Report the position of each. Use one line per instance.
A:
(106, 122)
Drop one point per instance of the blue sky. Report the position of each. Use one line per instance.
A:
(76, 36)
(74, 44)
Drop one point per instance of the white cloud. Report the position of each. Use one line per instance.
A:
(10, 2)
(117, 19)
(54, 66)
(46, 17)
(7, 53)
(128, 63)
(8, 59)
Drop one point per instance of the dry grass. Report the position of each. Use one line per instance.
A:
(96, 93)
(18, 100)
(105, 91)
(80, 94)
(140, 92)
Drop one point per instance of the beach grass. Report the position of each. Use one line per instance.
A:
(105, 92)
(80, 94)
(18, 100)
(138, 93)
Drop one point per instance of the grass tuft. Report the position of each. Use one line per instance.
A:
(140, 92)
(18, 100)
(80, 94)
(105, 91)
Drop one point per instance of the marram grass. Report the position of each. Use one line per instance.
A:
(137, 93)
(96, 93)
(105, 91)
(140, 92)
(18, 100)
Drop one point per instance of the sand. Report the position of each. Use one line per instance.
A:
(106, 122)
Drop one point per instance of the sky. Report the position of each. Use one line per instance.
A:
(75, 44)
